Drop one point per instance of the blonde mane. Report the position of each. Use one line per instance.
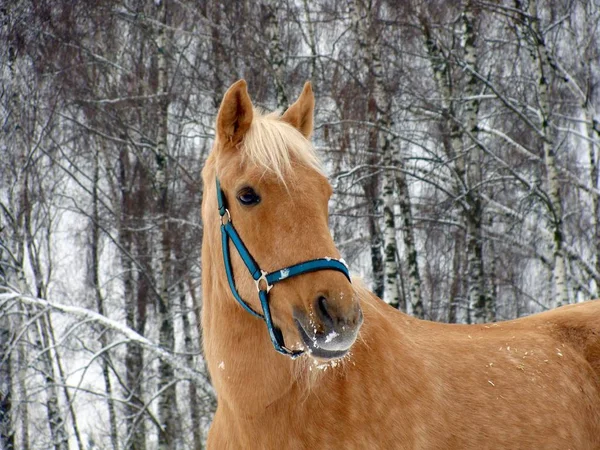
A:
(274, 145)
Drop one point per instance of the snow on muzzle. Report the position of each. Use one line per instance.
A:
(328, 331)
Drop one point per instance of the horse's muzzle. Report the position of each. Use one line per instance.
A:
(328, 334)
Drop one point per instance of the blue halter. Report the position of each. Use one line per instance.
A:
(265, 281)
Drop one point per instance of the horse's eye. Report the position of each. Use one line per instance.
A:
(248, 197)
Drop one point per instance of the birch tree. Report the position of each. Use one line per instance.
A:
(364, 24)
(542, 63)
(364, 21)
(464, 155)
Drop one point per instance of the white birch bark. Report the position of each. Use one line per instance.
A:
(362, 18)
(7, 433)
(370, 186)
(63, 382)
(310, 30)
(408, 233)
(276, 54)
(390, 246)
(13, 273)
(135, 319)
(542, 66)
(167, 402)
(23, 395)
(23, 363)
(595, 183)
(466, 166)
(94, 281)
(56, 420)
(195, 414)
(456, 291)
(480, 300)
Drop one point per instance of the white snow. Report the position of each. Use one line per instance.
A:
(331, 336)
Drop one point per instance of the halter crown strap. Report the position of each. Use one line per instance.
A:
(264, 280)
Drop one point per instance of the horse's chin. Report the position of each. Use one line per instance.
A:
(327, 355)
(317, 352)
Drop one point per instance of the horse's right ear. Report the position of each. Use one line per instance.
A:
(235, 114)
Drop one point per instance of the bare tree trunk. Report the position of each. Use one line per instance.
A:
(167, 402)
(363, 19)
(370, 187)
(408, 233)
(56, 421)
(23, 409)
(310, 29)
(94, 281)
(7, 433)
(467, 167)
(275, 52)
(7, 372)
(492, 278)
(390, 246)
(457, 276)
(22, 362)
(542, 65)
(483, 310)
(595, 183)
(53, 367)
(62, 381)
(477, 297)
(189, 350)
(213, 12)
(14, 268)
(135, 313)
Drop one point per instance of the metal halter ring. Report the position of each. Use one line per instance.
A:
(263, 277)
(225, 218)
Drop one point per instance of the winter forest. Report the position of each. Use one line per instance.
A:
(461, 138)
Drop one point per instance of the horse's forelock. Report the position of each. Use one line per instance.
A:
(274, 145)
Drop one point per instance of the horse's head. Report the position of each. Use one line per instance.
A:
(277, 200)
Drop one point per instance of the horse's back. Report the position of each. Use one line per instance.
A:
(533, 382)
(542, 373)
(577, 325)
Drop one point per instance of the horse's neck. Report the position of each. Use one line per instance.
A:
(247, 372)
(258, 390)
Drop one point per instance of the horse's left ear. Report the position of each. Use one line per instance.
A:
(300, 114)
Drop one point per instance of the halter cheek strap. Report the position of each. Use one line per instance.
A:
(264, 280)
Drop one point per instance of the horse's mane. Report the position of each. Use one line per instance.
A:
(273, 145)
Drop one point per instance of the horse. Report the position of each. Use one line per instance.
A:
(303, 356)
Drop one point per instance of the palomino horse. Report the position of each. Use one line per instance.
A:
(289, 365)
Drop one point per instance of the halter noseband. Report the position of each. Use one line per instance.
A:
(264, 280)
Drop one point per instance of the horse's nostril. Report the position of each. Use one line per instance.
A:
(322, 309)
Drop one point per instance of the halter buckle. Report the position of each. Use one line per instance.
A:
(225, 218)
(263, 277)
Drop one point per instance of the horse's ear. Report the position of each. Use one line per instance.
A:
(300, 114)
(235, 113)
